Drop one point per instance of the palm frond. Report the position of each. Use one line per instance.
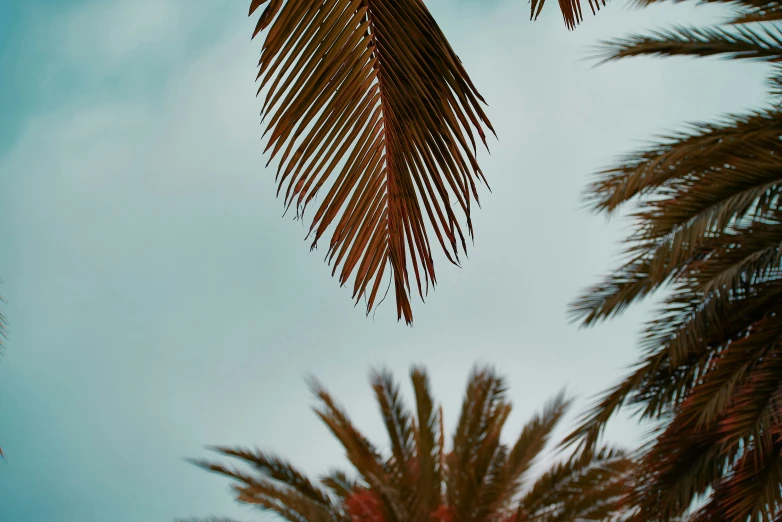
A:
(428, 442)
(578, 489)
(401, 432)
(704, 145)
(757, 11)
(273, 496)
(476, 437)
(744, 11)
(360, 452)
(340, 484)
(571, 10)
(739, 42)
(279, 470)
(774, 84)
(514, 463)
(534, 438)
(366, 101)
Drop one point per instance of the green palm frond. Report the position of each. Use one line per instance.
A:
(367, 104)
(579, 490)
(480, 479)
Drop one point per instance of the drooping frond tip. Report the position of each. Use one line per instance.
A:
(480, 478)
(571, 10)
(368, 106)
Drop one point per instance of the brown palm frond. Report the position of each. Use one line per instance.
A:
(534, 438)
(279, 470)
(510, 465)
(367, 102)
(757, 11)
(739, 42)
(687, 213)
(745, 11)
(571, 10)
(480, 479)
(577, 489)
(706, 144)
(271, 495)
(428, 444)
(402, 467)
(484, 412)
(340, 484)
(708, 229)
(774, 84)
(362, 454)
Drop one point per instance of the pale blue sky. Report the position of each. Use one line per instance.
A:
(158, 303)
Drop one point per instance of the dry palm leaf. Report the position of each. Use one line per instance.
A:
(367, 104)
(571, 10)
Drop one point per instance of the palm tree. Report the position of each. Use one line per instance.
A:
(367, 103)
(478, 479)
(707, 230)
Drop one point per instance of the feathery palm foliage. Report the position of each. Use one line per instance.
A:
(708, 229)
(367, 104)
(478, 479)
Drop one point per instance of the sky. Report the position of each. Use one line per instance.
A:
(158, 303)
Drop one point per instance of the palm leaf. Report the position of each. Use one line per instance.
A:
(745, 11)
(516, 461)
(577, 489)
(758, 11)
(571, 10)
(400, 427)
(475, 438)
(367, 102)
(361, 453)
(740, 42)
(706, 144)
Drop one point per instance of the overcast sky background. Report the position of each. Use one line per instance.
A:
(158, 303)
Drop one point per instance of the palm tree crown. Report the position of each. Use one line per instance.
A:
(477, 479)
(708, 229)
